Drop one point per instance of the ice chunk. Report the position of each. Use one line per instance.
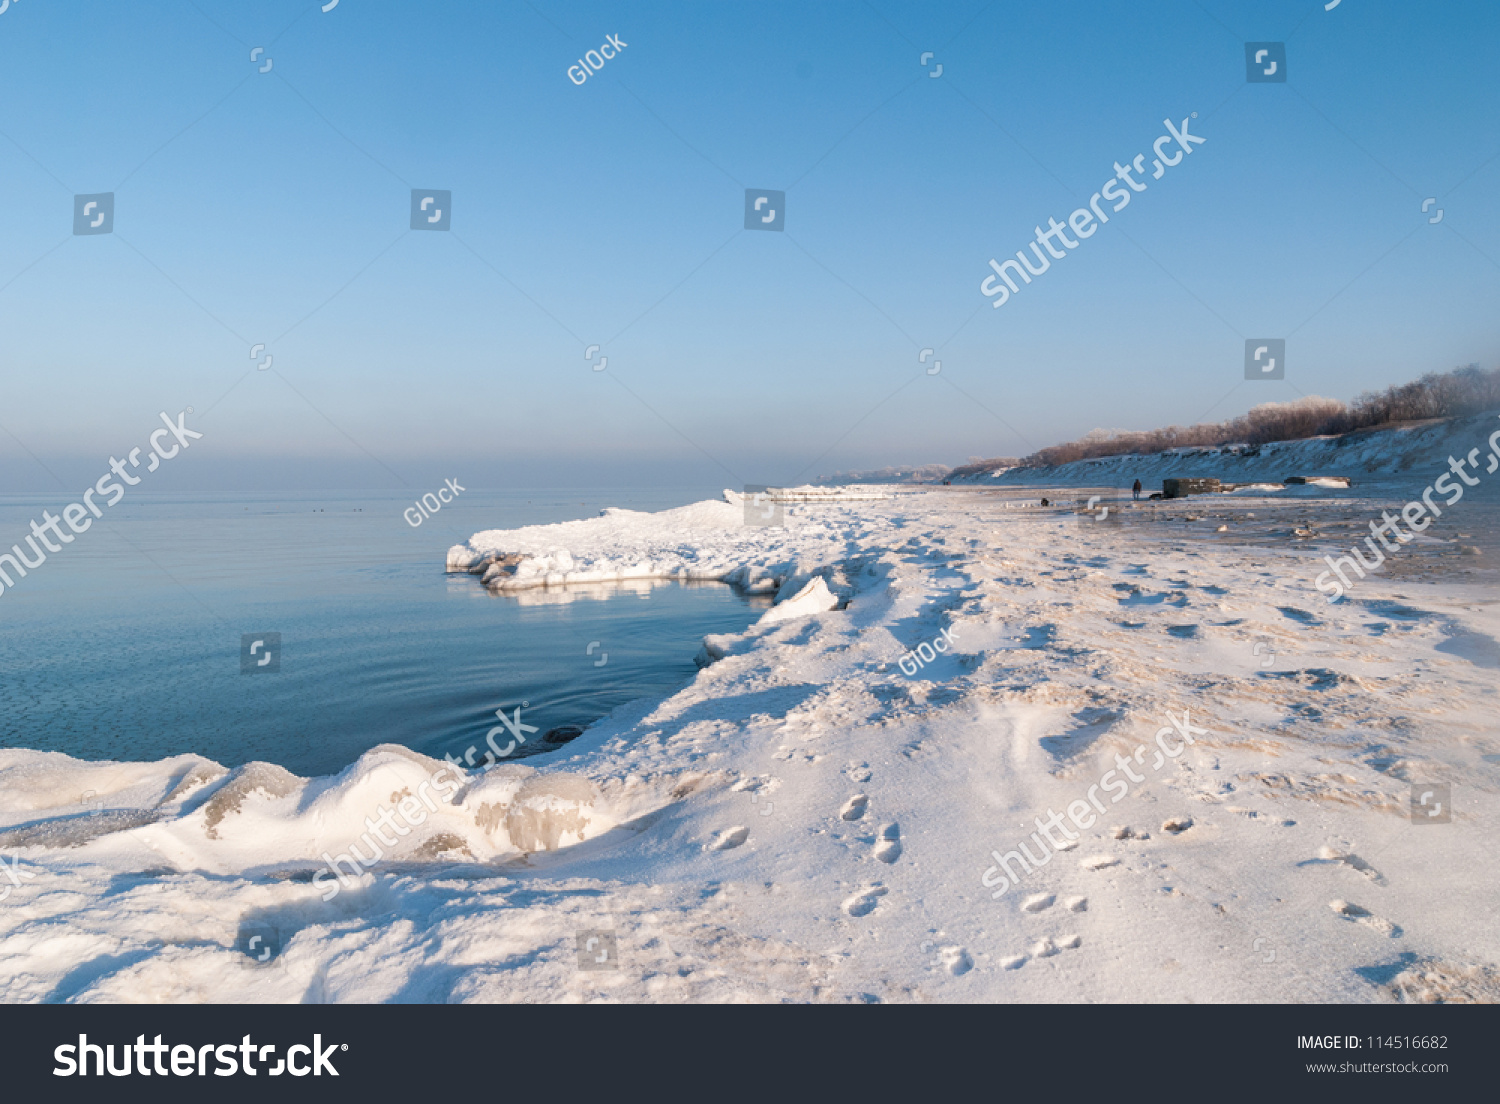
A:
(815, 597)
(551, 811)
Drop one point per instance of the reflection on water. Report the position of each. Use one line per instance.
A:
(596, 592)
(591, 692)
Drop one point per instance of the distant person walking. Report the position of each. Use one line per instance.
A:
(1135, 492)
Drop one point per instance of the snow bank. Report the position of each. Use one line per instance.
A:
(707, 540)
(201, 816)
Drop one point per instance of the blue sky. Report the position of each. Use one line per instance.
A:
(273, 208)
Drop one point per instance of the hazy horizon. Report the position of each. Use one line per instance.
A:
(270, 208)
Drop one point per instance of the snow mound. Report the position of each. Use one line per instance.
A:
(704, 541)
(261, 815)
(815, 597)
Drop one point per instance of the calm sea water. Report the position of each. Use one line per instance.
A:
(127, 643)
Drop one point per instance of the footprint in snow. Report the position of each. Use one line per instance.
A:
(855, 807)
(1046, 948)
(1350, 911)
(1098, 862)
(956, 961)
(729, 838)
(1353, 861)
(1037, 902)
(888, 846)
(1076, 904)
(863, 903)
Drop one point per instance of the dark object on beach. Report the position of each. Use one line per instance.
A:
(1155, 496)
(1297, 480)
(551, 740)
(1046, 503)
(1181, 488)
(945, 482)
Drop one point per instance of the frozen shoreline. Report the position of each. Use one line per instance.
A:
(807, 822)
(705, 541)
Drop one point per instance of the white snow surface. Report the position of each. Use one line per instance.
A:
(707, 540)
(804, 822)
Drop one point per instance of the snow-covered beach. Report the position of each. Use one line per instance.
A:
(806, 821)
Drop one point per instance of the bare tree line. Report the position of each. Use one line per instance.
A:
(1463, 391)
